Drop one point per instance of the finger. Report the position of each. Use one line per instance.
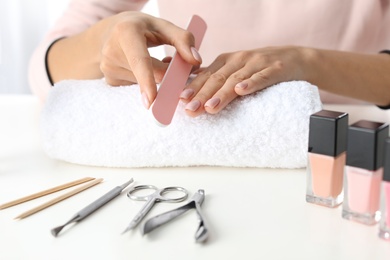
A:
(198, 82)
(167, 59)
(214, 84)
(198, 70)
(226, 94)
(196, 106)
(181, 39)
(259, 80)
(114, 82)
(116, 76)
(194, 86)
(195, 68)
(159, 69)
(140, 63)
(221, 99)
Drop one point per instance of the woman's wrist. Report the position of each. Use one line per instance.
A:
(73, 58)
(309, 60)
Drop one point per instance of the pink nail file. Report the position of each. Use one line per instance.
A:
(175, 78)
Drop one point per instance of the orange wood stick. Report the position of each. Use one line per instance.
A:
(45, 192)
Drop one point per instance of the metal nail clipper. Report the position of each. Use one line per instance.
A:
(202, 232)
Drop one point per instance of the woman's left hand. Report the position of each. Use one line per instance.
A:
(242, 73)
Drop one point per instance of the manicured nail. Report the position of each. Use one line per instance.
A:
(196, 54)
(193, 105)
(187, 93)
(242, 85)
(213, 102)
(145, 100)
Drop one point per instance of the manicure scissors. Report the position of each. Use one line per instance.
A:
(159, 195)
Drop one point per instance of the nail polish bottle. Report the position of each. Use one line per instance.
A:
(363, 171)
(326, 157)
(384, 225)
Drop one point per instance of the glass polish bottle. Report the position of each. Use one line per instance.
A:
(326, 158)
(363, 171)
(384, 225)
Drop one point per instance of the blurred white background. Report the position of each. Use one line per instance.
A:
(23, 23)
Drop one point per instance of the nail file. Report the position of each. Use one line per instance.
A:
(175, 78)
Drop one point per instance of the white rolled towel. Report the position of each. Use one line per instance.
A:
(87, 122)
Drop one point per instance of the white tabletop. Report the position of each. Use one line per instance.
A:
(252, 213)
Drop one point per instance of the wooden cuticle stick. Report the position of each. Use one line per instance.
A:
(58, 199)
(45, 192)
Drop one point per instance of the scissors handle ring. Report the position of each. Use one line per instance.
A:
(133, 190)
(158, 194)
(168, 189)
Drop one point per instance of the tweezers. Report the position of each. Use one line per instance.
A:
(196, 201)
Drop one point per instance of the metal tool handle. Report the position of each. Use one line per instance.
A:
(92, 207)
(131, 194)
(158, 194)
(166, 217)
(202, 232)
(102, 200)
(142, 213)
(98, 203)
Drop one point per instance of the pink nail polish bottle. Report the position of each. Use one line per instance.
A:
(363, 171)
(326, 158)
(384, 225)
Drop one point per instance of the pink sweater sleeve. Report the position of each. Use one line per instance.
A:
(79, 15)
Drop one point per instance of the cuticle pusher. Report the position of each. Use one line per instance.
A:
(85, 212)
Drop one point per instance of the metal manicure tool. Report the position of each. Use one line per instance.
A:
(85, 212)
(202, 232)
(159, 195)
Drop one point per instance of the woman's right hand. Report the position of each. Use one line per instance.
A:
(116, 48)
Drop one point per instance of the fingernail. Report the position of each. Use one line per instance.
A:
(242, 85)
(193, 105)
(196, 54)
(187, 93)
(213, 102)
(145, 100)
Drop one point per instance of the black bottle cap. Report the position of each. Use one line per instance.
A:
(328, 133)
(366, 140)
(386, 161)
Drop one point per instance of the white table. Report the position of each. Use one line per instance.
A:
(253, 213)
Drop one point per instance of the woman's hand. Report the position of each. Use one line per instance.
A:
(242, 73)
(117, 48)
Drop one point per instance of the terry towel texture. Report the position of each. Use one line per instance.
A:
(87, 122)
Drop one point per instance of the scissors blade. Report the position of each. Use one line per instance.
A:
(137, 219)
(129, 227)
(161, 219)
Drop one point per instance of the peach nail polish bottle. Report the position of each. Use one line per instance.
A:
(363, 171)
(384, 225)
(326, 158)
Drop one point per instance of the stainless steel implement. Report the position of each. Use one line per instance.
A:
(201, 234)
(159, 195)
(85, 212)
